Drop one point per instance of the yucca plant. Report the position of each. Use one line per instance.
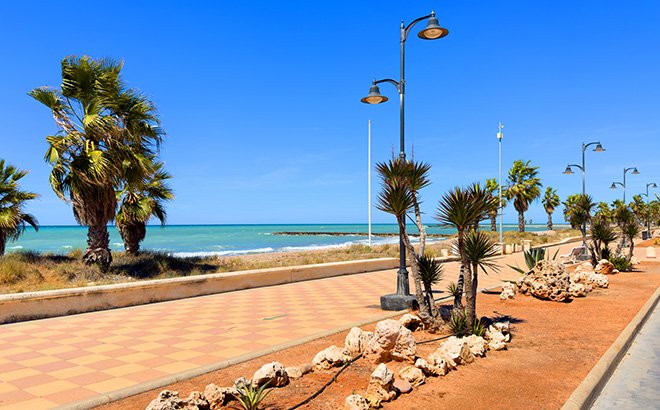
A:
(479, 327)
(602, 234)
(532, 257)
(479, 251)
(458, 323)
(430, 273)
(250, 397)
(456, 292)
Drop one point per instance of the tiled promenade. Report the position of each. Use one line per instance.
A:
(52, 362)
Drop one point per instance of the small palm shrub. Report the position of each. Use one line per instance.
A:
(458, 324)
(479, 327)
(453, 289)
(250, 397)
(532, 257)
(621, 263)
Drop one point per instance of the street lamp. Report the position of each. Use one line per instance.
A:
(623, 184)
(648, 207)
(583, 168)
(403, 299)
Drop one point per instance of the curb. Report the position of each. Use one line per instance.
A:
(167, 380)
(592, 385)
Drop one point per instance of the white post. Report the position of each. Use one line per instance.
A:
(369, 177)
(500, 135)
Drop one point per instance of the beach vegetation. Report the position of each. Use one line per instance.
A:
(577, 211)
(524, 188)
(602, 234)
(140, 199)
(430, 273)
(13, 218)
(106, 133)
(550, 202)
(492, 187)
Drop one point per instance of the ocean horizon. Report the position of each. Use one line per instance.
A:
(229, 239)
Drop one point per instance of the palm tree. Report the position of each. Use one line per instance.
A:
(492, 187)
(397, 198)
(479, 251)
(106, 135)
(550, 202)
(524, 187)
(602, 235)
(461, 208)
(577, 211)
(13, 218)
(140, 200)
(627, 222)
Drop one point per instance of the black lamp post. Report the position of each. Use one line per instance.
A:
(623, 184)
(402, 299)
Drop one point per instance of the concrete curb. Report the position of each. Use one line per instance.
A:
(587, 392)
(165, 381)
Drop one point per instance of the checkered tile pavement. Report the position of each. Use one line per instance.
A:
(51, 362)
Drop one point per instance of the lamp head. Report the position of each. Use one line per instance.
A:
(653, 185)
(374, 96)
(635, 172)
(613, 186)
(599, 148)
(433, 30)
(568, 170)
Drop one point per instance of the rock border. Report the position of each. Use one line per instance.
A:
(592, 385)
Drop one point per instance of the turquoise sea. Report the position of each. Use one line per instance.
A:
(206, 240)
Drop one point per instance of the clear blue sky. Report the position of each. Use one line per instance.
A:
(260, 100)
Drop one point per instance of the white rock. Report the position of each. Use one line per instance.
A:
(584, 267)
(503, 326)
(294, 372)
(356, 340)
(333, 356)
(380, 387)
(477, 345)
(457, 350)
(577, 290)
(391, 341)
(411, 322)
(413, 375)
(218, 396)
(272, 373)
(508, 291)
(356, 402)
(496, 340)
(605, 267)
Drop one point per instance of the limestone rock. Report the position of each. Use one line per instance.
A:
(272, 373)
(439, 364)
(585, 267)
(305, 368)
(170, 400)
(605, 267)
(508, 291)
(476, 344)
(402, 386)
(503, 326)
(293, 373)
(413, 375)
(456, 350)
(391, 341)
(331, 357)
(356, 340)
(411, 322)
(218, 396)
(548, 280)
(590, 279)
(496, 339)
(428, 369)
(380, 387)
(577, 290)
(356, 402)
(242, 382)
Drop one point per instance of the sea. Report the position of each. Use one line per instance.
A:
(227, 240)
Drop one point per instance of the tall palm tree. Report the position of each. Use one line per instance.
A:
(524, 187)
(396, 198)
(13, 218)
(140, 200)
(106, 135)
(461, 209)
(550, 202)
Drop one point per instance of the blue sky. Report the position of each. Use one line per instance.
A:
(261, 99)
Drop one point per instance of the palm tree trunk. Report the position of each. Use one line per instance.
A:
(467, 276)
(458, 298)
(493, 223)
(550, 220)
(420, 225)
(521, 221)
(130, 235)
(3, 243)
(414, 267)
(98, 247)
(471, 301)
(631, 249)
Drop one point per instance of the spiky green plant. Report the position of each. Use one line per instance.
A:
(430, 273)
(458, 323)
(250, 397)
(13, 218)
(524, 187)
(602, 234)
(532, 257)
(479, 327)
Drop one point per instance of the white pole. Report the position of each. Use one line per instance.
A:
(500, 135)
(369, 177)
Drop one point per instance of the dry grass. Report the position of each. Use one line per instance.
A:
(31, 271)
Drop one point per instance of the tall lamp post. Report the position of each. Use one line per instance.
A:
(583, 168)
(623, 184)
(403, 299)
(500, 135)
(648, 208)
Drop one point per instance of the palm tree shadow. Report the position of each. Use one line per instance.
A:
(151, 264)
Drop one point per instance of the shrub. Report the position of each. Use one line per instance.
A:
(250, 397)
(621, 263)
(479, 327)
(12, 270)
(458, 324)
